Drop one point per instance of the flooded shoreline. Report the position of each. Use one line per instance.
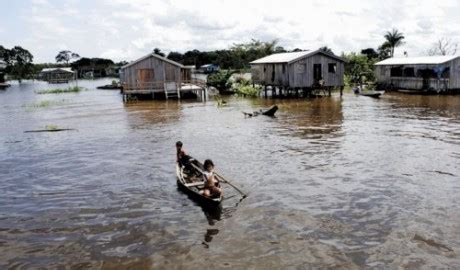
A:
(333, 182)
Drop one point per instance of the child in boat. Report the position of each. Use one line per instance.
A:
(182, 157)
(211, 185)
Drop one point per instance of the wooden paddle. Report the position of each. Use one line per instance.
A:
(223, 180)
(228, 182)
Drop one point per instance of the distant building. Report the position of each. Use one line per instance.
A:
(439, 73)
(304, 70)
(156, 75)
(57, 75)
(209, 68)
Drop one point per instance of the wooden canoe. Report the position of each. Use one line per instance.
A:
(190, 181)
(268, 112)
(372, 94)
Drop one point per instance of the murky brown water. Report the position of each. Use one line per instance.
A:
(351, 182)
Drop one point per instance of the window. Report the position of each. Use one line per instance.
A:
(300, 68)
(332, 67)
(409, 72)
(396, 72)
(284, 69)
(445, 73)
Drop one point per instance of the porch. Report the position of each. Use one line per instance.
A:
(168, 89)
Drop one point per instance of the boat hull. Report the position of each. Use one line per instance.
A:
(194, 192)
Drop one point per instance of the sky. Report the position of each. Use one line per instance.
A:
(129, 29)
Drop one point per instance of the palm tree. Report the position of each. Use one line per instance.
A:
(394, 39)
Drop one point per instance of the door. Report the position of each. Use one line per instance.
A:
(317, 72)
(145, 77)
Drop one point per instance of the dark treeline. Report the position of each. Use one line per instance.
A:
(237, 56)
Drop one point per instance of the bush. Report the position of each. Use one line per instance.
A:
(243, 87)
(219, 80)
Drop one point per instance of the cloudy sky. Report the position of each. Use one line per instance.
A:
(128, 29)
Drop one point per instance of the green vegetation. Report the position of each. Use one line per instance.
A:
(393, 39)
(219, 80)
(52, 127)
(243, 87)
(358, 68)
(18, 62)
(237, 57)
(44, 104)
(70, 89)
(66, 56)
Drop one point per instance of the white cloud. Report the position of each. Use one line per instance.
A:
(127, 29)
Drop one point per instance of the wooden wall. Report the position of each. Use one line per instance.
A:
(383, 75)
(162, 70)
(298, 74)
(455, 74)
(301, 72)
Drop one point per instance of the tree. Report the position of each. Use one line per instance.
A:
(358, 66)
(65, 56)
(394, 38)
(19, 63)
(176, 56)
(158, 51)
(326, 50)
(370, 53)
(444, 46)
(384, 51)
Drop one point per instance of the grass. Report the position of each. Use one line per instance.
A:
(70, 89)
(52, 127)
(44, 104)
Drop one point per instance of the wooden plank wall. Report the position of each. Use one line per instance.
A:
(163, 71)
(301, 72)
(382, 74)
(455, 74)
(298, 74)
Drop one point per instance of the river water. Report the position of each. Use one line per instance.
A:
(350, 182)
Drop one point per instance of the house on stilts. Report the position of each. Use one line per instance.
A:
(155, 76)
(307, 72)
(440, 74)
(57, 75)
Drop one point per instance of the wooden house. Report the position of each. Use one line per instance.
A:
(435, 73)
(156, 75)
(57, 75)
(305, 70)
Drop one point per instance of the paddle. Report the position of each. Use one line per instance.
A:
(223, 179)
(228, 182)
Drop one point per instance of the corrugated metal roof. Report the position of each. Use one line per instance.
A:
(290, 57)
(424, 60)
(67, 69)
(281, 57)
(156, 56)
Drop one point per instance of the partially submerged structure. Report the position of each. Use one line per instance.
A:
(209, 68)
(57, 75)
(429, 73)
(305, 70)
(157, 76)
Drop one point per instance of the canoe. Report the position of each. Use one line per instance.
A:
(271, 111)
(190, 181)
(268, 112)
(370, 94)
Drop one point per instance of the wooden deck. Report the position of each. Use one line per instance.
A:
(170, 89)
